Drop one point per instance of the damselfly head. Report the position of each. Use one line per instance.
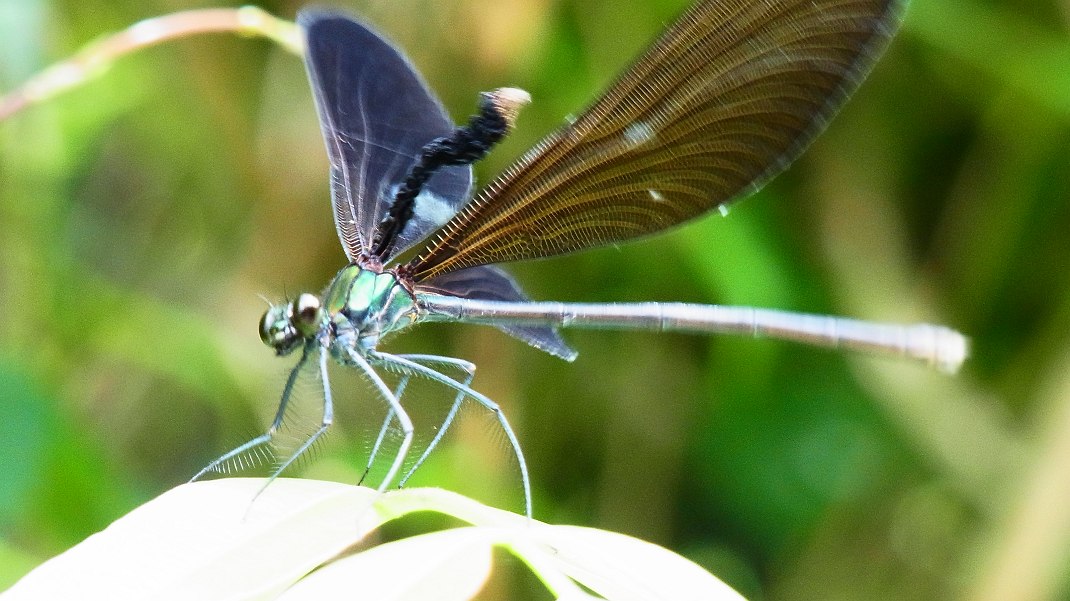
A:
(284, 327)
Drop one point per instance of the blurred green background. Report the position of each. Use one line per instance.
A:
(143, 215)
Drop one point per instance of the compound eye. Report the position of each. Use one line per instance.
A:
(306, 313)
(276, 330)
(267, 323)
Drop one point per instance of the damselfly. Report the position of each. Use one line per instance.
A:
(723, 101)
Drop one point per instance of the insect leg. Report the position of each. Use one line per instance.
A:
(382, 432)
(406, 365)
(395, 408)
(469, 370)
(221, 464)
(325, 423)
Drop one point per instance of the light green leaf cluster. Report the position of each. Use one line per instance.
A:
(306, 539)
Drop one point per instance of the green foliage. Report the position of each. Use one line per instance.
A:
(305, 539)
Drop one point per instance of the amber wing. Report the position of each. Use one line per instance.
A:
(723, 101)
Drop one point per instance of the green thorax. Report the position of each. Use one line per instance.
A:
(373, 303)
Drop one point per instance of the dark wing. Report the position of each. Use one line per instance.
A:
(376, 114)
(722, 102)
(491, 283)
